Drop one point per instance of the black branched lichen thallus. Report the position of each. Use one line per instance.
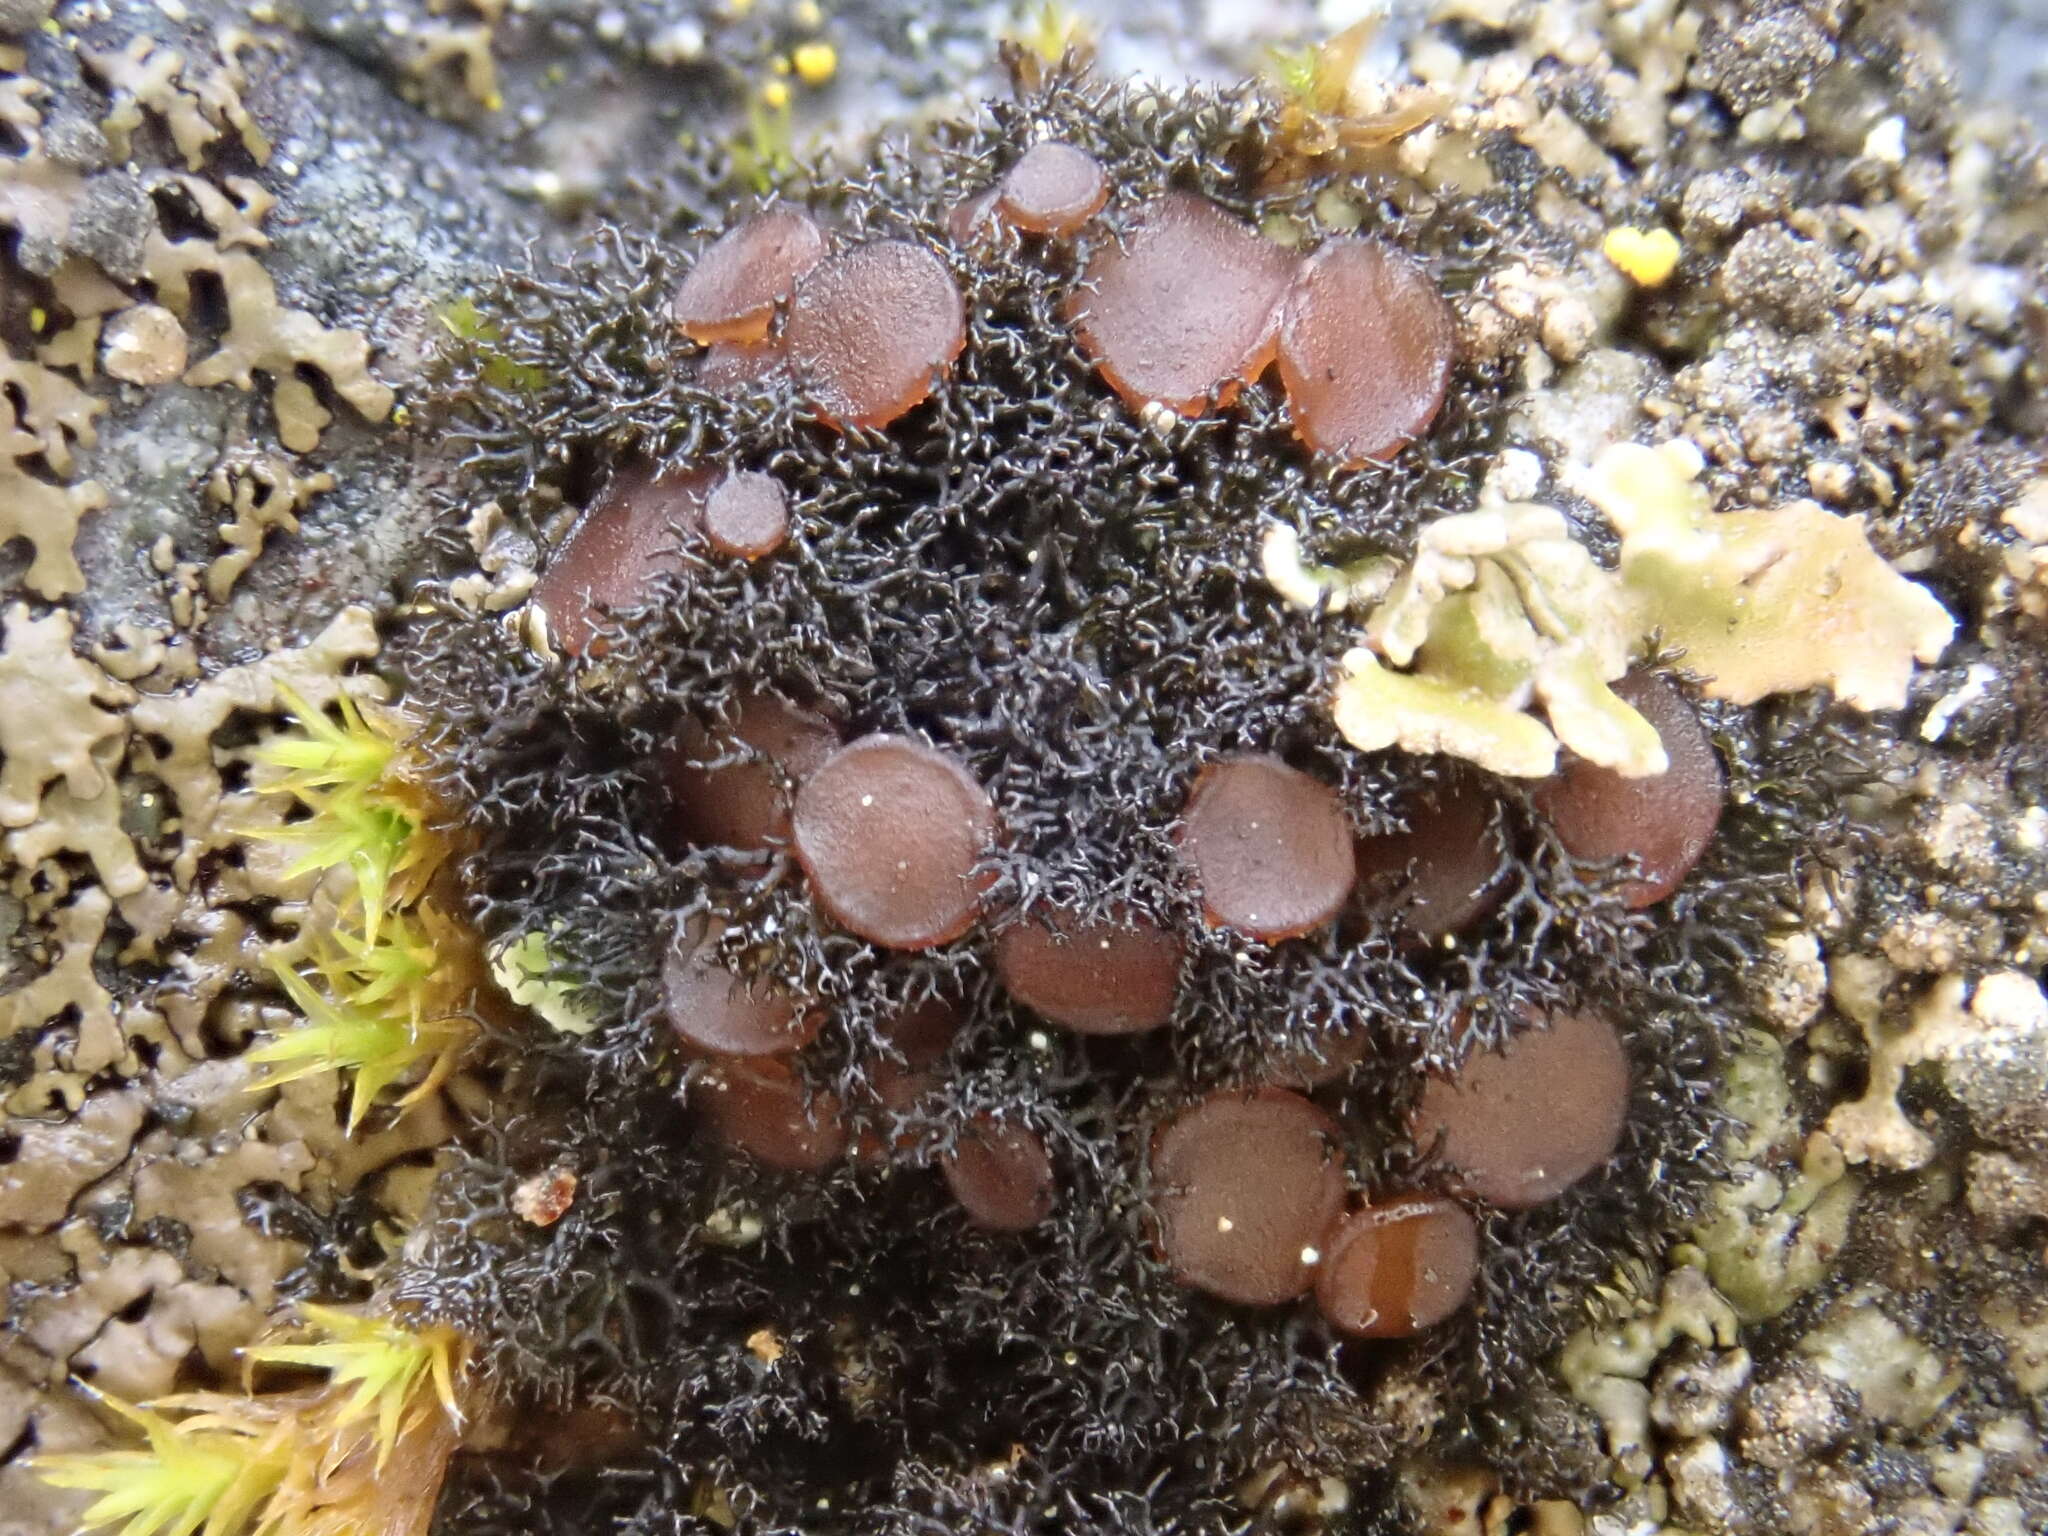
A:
(1028, 1071)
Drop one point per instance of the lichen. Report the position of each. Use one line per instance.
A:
(456, 39)
(265, 335)
(197, 109)
(1503, 608)
(1498, 608)
(263, 491)
(1775, 1225)
(1772, 1237)
(1898, 1379)
(174, 734)
(48, 417)
(2026, 560)
(61, 715)
(1952, 1020)
(531, 976)
(1606, 1364)
(1762, 602)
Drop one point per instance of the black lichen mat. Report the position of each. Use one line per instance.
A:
(871, 1236)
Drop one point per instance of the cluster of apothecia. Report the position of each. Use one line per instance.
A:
(1179, 305)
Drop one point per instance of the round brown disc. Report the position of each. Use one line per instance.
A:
(1665, 821)
(760, 1108)
(1245, 1187)
(1184, 309)
(1397, 1268)
(891, 832)
(1054, 189)
(610, 558)
(1521, 1125)
(969, 220)
(924, 1033)
(1103, 978)
(731, 293)
(1001, 1175)
(747, 515)
(743, 804)
(1443, 874)
(1270, 847)
(1366, 346)
(871, 328)
(716, 1011)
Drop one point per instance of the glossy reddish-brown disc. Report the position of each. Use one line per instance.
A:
(760, 1107)
(1114, 977)
(1398, 1267)
(1521, 1125)
(1245, 1187)
(971, 218)
(1053, 189)
(744, 804)
(1664, 821)
(714, 1010)
(1184, 309)
(923, 1033)
(1444, 873)
(1000, 1173)
(1270, 847)
(1366, 347)
(870, 329)
(747, 515)
(731, 293)
(890, 832)
(610, 558)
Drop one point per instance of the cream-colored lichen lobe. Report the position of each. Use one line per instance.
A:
(47, 419)
(58, 715)
(1763, 602)
(1502, 610)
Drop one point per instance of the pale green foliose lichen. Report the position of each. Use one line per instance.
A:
(1771, 1232)
(528, 973)
(1605, 1366)
(1762, 602)
(1501, 611)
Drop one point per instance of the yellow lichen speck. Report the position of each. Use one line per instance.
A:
(815, 63)
(1647, 256)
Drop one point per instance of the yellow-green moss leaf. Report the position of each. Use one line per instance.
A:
(191, 1478)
